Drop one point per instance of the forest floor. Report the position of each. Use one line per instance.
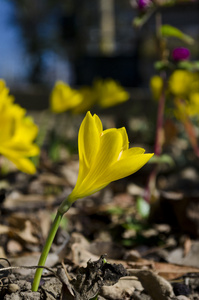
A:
(106, 245)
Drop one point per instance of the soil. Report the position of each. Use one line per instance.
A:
(105, 248)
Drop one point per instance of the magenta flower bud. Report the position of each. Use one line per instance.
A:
(142, 4)
(180, 54)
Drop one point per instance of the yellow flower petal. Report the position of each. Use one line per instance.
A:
(17, 132)
(192, 106)
(156, 85)
(109, 92)
(91, 126)
(63, 97)
(125, 167)
(107, 154)
(89, 139)
(125, 144)
(19, 149)
(22, 163)
(110, 146)
(180, 82)
(98, 123)
(132, 151)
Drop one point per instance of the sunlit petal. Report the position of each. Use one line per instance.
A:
(17, 132)
(125, 144)
(110, 92)
(104, 157)
(89, 139)
(125, 167)
(98, 123)
(91, 127)
(132, 151)
(63, 97)
(110, 146)
(22, 163)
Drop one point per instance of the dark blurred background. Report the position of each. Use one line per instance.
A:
(42, 41)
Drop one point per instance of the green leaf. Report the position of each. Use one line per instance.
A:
(170, 31)
(115, 210)
(162, 65)
(162, 159)
(189, 65)
(143, 207)
(54, 151)
(135, 226)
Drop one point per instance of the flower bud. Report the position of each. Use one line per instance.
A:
(143, 4)
(180, 54)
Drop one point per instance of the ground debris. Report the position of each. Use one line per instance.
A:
(51, 289)
(89, 280)
(156, 286)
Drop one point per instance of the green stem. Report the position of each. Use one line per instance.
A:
(47, 245)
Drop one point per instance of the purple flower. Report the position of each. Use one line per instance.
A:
(142, 4)
(180, 54)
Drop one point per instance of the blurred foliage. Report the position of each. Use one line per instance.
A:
(171, 31)
(142, 207)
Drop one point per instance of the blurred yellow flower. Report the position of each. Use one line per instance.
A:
(5, 98)
(63, 97)
(180, 82)
(104, 156)
(109, 92)
(184, 85)
(192, 106)
(89, 98)
(17, 133)
(156, 86)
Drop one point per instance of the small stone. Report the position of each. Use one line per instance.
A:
(13, 288)
(156, 286)
(181, 289)
(140, 296)
(14, 296)
(182, 297)
(14, 247)
(31, 296)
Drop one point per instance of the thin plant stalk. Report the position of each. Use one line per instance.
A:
(160, 120)
(47, 246)
(159, 139)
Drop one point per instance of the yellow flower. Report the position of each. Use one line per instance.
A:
(17, 133)
(180, 82)
(88, 100)
(156, 85)
(184, 85)
(104, 156)
(63, 97)
(110, 93)
(192, 106)
(5, 99)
